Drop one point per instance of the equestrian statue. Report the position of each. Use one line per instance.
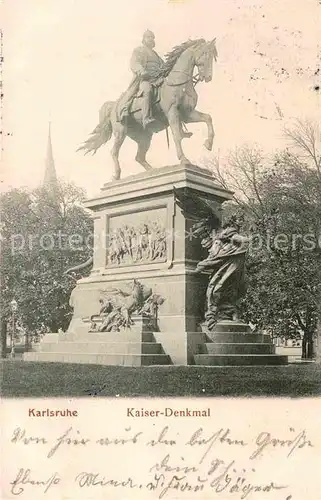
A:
(161, 95)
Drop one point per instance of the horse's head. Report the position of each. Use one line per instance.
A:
(204, 55)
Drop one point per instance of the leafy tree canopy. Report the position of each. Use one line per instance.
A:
(43, 232)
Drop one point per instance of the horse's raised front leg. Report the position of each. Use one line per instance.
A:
(195, 117)
(120, 134)
(174, 121)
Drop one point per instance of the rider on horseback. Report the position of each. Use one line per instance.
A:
(146, 65)
(176, 100)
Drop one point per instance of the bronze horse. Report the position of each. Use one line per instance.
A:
(174, 106)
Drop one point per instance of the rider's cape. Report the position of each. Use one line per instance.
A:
(151, 62)
(126, 99)
(124, 103)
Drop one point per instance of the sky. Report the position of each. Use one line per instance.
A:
(64, 58)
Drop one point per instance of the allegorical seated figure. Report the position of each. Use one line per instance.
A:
(111, 317)
(117, 307)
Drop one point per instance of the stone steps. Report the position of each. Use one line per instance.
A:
(214, 348)
(99, 358)
(230, 327)
(239, 337)
(129, 347)
(123, 336)
(239, 359)
(232, 343)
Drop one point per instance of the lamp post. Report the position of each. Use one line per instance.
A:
(14, 307)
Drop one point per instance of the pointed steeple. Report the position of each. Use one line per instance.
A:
(50, 178)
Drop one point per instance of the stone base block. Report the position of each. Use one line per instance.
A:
(99, 359)
(105, 347)
(124, 336)
(238, 338)
(183, 297)
(180, 345)
(239, 359)
(234, 348)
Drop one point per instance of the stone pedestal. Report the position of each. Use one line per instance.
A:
(147, 201)
(163, 254)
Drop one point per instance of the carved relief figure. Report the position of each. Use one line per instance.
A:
(128, 244)
(144, 243)
(118, 305)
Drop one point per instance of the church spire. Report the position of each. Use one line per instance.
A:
(50, 178)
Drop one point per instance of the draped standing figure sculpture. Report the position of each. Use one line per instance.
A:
(225, 262)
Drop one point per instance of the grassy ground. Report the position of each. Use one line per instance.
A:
(27, 379)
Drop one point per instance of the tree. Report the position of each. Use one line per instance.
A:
(43, 233)
(305, 137)
(16, 219)
(281, 204)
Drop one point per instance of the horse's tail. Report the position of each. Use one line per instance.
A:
(102, 133)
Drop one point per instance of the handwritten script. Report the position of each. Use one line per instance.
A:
(204, 460)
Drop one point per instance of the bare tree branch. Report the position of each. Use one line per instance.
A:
(305, 136)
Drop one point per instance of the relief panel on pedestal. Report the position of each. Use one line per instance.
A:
(137, 238)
